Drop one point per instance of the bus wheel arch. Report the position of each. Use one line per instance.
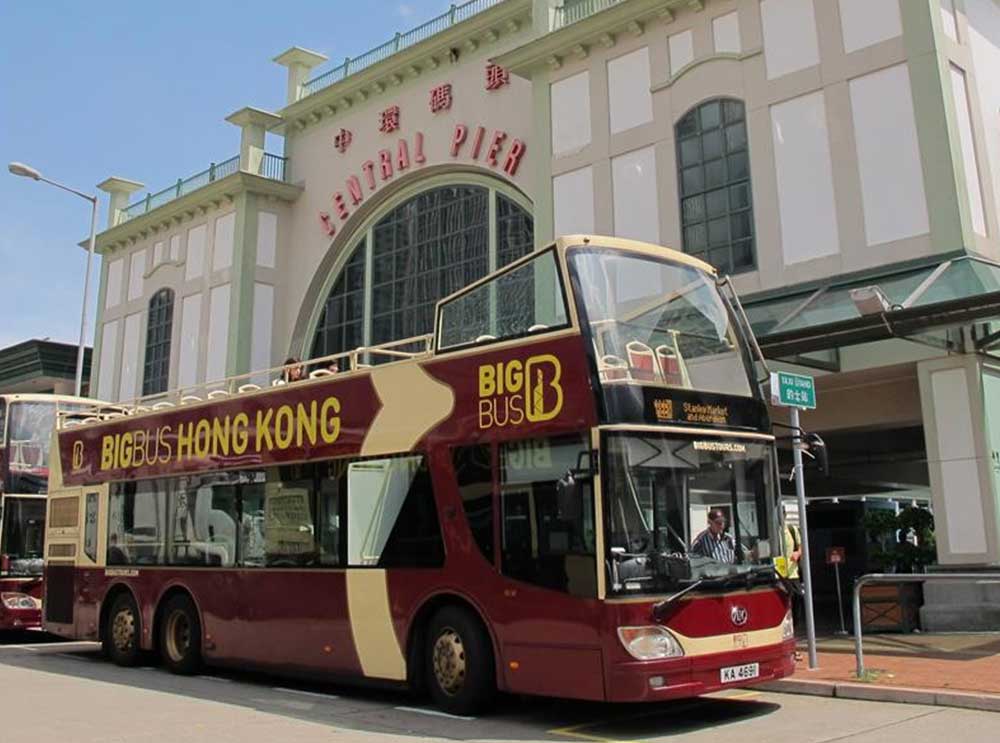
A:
(177, 631)
(461, 615)
(121, 626)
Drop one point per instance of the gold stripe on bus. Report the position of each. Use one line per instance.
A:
(413, 402)
(371, 625)
(718, 432)
(695, 646)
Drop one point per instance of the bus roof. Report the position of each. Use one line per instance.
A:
(569, 242)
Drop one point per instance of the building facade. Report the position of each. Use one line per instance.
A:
(840, 159)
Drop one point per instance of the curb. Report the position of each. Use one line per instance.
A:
(875, 693)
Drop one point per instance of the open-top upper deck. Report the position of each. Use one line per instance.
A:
(519, 353)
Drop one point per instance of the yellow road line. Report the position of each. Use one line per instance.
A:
(573, 730)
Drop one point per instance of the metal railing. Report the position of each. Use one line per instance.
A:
(271, 166)
(324, 367)
(864, 580)
(577, 11)
(456, 14)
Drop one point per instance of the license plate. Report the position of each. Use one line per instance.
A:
(740, 673)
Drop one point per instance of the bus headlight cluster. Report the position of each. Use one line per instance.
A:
(649, 643)
(787, 626)
(18, 601)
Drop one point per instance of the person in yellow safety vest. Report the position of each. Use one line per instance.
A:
(793, 553)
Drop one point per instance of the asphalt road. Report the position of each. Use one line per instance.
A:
(66, 693)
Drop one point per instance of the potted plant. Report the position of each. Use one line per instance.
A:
(898, 542)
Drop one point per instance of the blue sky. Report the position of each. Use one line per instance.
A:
(139, 90)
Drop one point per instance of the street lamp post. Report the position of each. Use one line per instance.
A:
(27, 171)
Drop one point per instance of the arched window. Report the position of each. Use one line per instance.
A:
(713, 160)
(427, 247)
(156, 370)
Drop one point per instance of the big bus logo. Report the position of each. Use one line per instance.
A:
(77, 455)
(515, 391)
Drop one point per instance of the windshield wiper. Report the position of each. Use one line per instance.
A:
(660, 608)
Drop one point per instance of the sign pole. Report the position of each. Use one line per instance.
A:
(840, 600)
(804, 566)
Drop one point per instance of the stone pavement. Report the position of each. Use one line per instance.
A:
(961, 669)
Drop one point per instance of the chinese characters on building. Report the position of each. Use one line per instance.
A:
(342, 140)
(441, 98)
(388, 120)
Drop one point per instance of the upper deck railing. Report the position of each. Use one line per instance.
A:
(324, 367)
(271, 166)
(351, 65)
(577, 11)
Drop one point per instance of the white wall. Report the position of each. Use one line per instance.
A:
(984, 41)
(159, 249)
(885, 130)
(959, 467)
(137, 269)
(790, 41)
(948, 18)
(573, 202)
(681, 51)
(805, 179)
(175, 248)
(194, 266)
(867, 22)
(263, 313)
(267, 239)
(113, 288)
(131, 365)
(109, 354)
(218, 332)
(726, 33)
(964, 115)
(570, 100)
(629, 98)
(190, 341)
(222, 250)
(633, 177)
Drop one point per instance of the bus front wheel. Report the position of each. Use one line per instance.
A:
(180, 636)
(121, 635)
(459, 662)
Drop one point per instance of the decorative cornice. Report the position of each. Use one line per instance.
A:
(199, 202)
(625, 17)
(484, 27)
(719, 57)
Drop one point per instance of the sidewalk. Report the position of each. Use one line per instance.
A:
(961, 670)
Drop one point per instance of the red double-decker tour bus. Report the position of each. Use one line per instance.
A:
(26, 425)
(517, 502)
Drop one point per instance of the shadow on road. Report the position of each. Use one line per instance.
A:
(373, 710)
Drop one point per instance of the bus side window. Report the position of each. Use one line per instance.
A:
(474, 475)
(547, 540)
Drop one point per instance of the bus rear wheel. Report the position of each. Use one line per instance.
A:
(121, 635)
(459, 662)
(180, 636)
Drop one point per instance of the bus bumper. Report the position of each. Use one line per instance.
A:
(652, 681)
(20, 618)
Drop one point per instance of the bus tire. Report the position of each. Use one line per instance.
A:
(121, 635)
(180, 635)
(459, 663)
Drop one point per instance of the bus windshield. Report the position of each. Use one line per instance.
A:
(29, 435)
(660, 322)
(681, 509)
(22, 536)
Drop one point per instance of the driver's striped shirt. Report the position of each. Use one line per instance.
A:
(721, 548)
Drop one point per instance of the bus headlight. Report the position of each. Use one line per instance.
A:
(787, 626)
(649, 643)
(18, 601)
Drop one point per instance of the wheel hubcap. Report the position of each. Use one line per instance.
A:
(178, 636)
(449, 661)
(123, 630)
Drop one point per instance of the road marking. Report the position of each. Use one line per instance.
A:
(72, 657)
(573, 731)
(737, 695)
(304, 693)
(434, 713)
(216, 678)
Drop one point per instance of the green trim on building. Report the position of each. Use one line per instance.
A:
(241, 295)
(102, 291)
(937, 129)
(542, 132)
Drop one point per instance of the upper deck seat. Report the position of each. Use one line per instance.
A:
(641, 361)
(669, 362)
